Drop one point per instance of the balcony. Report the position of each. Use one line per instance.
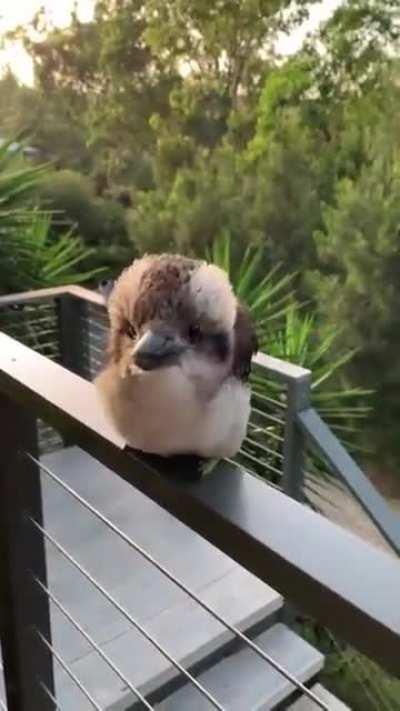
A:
(128, 582)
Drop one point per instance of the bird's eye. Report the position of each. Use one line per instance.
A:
(130, 331)
(195, 334)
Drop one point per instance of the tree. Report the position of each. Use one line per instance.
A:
(191, 63)
(359, 247)
(107, 78)
(46, 119)
(224, 43)
(355, 46)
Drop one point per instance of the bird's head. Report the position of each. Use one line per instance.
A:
(169, 311)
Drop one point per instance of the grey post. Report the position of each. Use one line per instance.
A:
(24, 609)
(298, 399)
(72, 337)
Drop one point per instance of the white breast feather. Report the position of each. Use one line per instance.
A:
(162, 413)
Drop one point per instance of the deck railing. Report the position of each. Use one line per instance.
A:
(70, 325)
(52, 345)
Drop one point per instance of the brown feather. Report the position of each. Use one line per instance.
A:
(245, 343)
(162, 289)
(151, 288)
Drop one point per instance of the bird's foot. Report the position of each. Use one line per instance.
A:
(208, 466)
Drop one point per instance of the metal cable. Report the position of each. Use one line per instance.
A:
(69, 671)
(94, 336)
(128, 616)
(267, 416)
(182, 586)
(92, 643)
(29, 332)
(30, 307)
(264, 448)
(269, 400)
(264, 464)
(28, 316)
(95, 350)
(3, 707)
(50, 695)
(96, 330)
(97, 321)
(272, 435)
(254, 474)
(32, 334)
(48, 344)
(99, 309)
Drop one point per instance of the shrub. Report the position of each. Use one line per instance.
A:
(70, 197)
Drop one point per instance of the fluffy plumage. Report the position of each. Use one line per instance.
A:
(179, 357)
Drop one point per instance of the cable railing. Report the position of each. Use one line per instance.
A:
(50, 696)
(3, 707)
(67, 669)
(70, 326)
(179, 583)
(84, 634)
(276, 538)
(338, 461)
(76, 321)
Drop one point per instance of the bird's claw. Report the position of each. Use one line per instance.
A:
(208, 466)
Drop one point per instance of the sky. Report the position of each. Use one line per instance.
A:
(15, 12)
(20, 12)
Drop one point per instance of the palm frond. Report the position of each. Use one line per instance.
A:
(30, 255)
(290, 331)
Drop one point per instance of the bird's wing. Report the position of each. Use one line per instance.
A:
(245, 343)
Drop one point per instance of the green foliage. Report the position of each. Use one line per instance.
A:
(222, 41)
(68, 193)
(284, 88)
(359, 246)
(198, 202)
(186, 105)
(288, 331)
(267, 296)
(47, 118)
(359, 41)
(350, 675)
(30, 256)
(101, 222)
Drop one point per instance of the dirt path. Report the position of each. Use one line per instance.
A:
(341, 507)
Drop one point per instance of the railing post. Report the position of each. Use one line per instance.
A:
(72, 335)
(24, 609)
(298, 398)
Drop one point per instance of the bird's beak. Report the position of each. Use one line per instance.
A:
(156, 349)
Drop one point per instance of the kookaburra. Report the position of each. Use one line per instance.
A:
(180, 352)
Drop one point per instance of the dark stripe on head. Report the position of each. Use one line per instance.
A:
(245, 343)
(219, 345)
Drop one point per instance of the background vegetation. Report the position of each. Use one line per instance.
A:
(32, 253)
(174, 124)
